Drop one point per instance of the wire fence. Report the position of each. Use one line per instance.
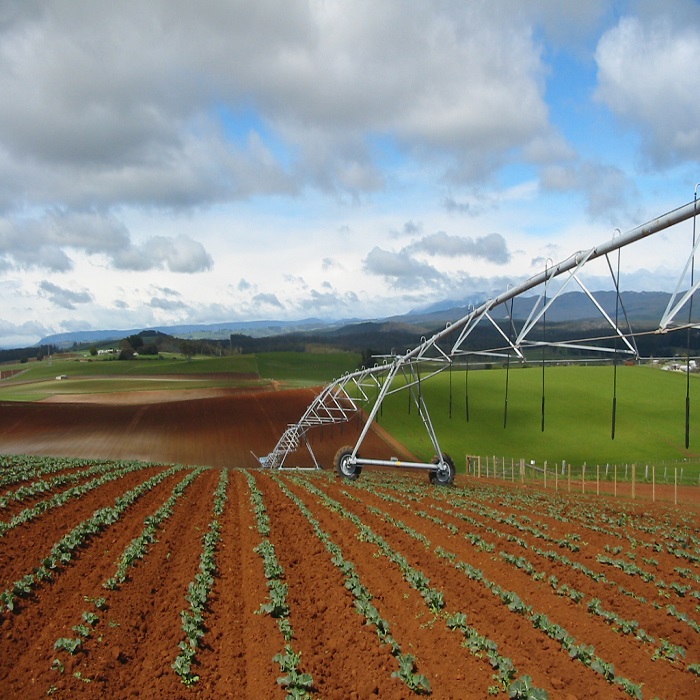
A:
(677, 482)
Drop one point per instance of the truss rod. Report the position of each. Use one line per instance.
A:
(661, 223)
(334, 404)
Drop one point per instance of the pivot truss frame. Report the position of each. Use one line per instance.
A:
(344, 398)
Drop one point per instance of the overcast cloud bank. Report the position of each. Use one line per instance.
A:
(329, 159)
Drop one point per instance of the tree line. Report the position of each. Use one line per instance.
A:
(25, 354)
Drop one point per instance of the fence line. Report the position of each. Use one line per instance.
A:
(675, 482)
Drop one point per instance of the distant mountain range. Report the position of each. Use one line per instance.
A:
(255, 329)
(641, 308)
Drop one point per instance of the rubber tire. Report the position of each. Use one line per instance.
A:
(344, 470)
(443, 478)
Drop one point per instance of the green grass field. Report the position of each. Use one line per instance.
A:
(649, 426)
(304, 368)
(84, 365)
(85, 374)
(650, 414)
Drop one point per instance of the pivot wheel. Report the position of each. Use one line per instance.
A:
(444, 475)
(345, 468)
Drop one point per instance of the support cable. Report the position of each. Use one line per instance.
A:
(510, 340)
(466, 379)
(544, 339)
(690, 313)
(420, 387)
(505, 404)
(450, 373)
(466, 389)
(630, 333)
(616, 279)
(409, 382)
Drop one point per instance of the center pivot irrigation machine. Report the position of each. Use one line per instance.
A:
(344, 398)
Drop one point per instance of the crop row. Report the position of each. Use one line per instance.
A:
(35, 488)
(17, 468)
(138, 547)
(478, 644)
(680, 589)
(199, 589)
(630, 568)
(582, 652)
(579, 651)
(664, 648)
(555, 556)
(62, 551)
(135, 551)
(61, 498)
(363, 598)
(297, 683)
(681, 542)
(621, 521)
(516, 605)
(571, 542)
(499, 573)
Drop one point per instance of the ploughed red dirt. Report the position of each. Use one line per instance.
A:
(480, 583)
(218, 427)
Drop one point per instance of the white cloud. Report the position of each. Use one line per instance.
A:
(647, 76)
(46, 242)
(65, 298)
(330, 303)
(180, 254)
(169, 161)
(410, 228)
(492, 247)
(20, 334)
(606, 188)
(114, 103)
(167, 304)
(400, 268)
(268, 300)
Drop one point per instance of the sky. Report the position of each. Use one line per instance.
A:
(168, 162)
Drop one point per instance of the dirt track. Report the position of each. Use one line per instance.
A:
(216, 428)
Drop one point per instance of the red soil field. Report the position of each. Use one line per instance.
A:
(501, 554)
(217, 428)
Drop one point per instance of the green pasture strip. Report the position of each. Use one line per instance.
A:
(23, 396)
(38, 381)
(650, 416)
(146, 366)
(110, 376)
(245, 364)
(306, 368)
(42, 390)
